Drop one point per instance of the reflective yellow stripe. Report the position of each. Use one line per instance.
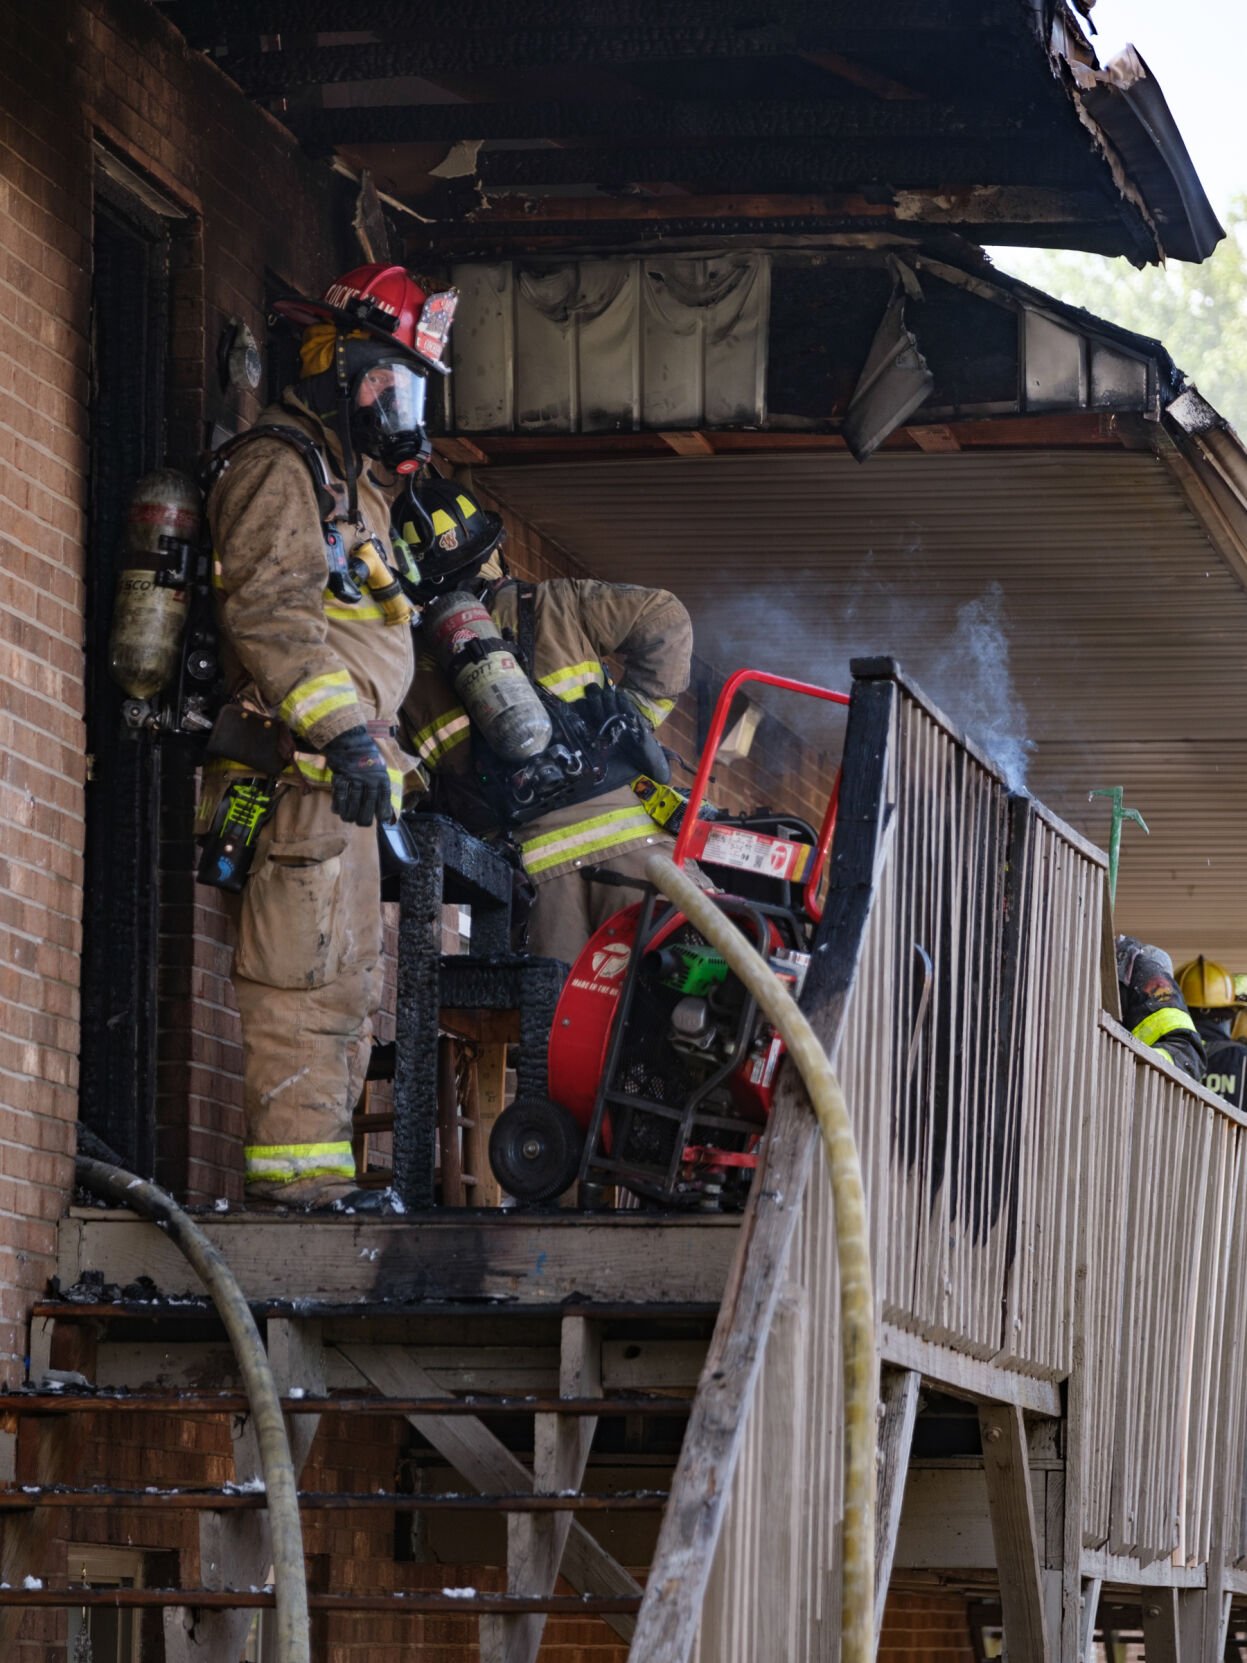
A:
(442, 734)
(655, 711)
(570, 681)
(283, 1163)
(361, 613)
(311, 714)
(588, 837)
(312, 700)
(1162, 1022)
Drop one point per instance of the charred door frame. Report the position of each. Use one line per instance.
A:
(130, 327)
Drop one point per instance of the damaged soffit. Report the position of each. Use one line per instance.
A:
(732, 349)
(560, 123)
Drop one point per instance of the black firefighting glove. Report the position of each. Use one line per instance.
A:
(611, 710)
(605, 710)
(361, 782)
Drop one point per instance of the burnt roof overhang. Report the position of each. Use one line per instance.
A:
(622, 123)
(770, 351)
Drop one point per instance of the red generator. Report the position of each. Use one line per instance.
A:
(662, 1068)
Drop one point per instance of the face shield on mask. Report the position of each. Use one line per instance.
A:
(387, 416)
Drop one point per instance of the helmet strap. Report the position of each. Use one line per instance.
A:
(344, 424)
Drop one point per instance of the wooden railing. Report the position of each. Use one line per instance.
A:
(1047, 1202)
(1164, 1380)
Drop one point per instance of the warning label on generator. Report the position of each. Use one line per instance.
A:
(749, 851)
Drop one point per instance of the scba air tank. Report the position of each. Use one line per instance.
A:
(151, 606)
(486, 675)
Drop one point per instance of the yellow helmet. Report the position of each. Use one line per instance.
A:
(1205, 985)
(1239, 1030)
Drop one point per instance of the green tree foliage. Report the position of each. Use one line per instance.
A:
(1199, 313)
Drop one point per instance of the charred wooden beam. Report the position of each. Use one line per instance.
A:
(860, 75)
(935, 165)
(1049, 214)
(462, 52)
(447, 1255)
(514, 220)
(650, 121)
(241, 19)
(897, 133)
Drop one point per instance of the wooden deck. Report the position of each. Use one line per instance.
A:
(1058, 1226)
(448, 1257)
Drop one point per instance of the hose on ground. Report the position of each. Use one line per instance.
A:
(123, 1189)
(857, 1303)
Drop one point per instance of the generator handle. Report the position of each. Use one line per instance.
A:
(714, 738)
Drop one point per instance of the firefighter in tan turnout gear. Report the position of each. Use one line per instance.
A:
(304, 759)
(514, 713)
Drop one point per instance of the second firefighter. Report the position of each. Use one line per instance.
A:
(563, 791)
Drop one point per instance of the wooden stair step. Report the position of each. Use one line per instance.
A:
(232, 1498)
(234, 1403)
(226, 1599)
(200, 1310)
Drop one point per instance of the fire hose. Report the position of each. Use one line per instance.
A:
(857, 1304)
(122, 1188)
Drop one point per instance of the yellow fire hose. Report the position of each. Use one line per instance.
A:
(123, 1189)
(857, 1304)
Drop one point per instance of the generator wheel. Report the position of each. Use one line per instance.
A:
(534, 1149)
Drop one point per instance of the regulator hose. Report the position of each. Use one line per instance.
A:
(857, 1303)
(123, 1189)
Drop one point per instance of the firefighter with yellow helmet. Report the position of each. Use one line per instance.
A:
(1210, 993)
(305, 763)
(515, 714)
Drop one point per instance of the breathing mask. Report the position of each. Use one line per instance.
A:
(387, 415)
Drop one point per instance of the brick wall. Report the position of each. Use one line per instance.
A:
(73, 75)
(925, 1628)
(346, 1549)
(43, 376)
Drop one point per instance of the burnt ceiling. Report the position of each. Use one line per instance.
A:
(562, 123)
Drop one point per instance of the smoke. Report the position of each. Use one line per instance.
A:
(970, 679)
(960, 659)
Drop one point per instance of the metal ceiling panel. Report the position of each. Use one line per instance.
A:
(605, 346)
(1066, 608)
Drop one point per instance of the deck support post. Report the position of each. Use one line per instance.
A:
(898, 1392)
(1088, 1610)
(1173, 1625)
(489, 1466)
(236, 1549)
(1006, 1465)
(536, 1541)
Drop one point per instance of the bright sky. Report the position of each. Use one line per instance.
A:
(1197, 50)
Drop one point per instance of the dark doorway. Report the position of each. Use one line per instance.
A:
(130, 362)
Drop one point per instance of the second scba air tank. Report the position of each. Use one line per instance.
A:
(485, 673)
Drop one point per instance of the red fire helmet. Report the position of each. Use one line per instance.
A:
(386, 303)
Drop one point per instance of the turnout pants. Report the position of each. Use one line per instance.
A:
(307, 980)
(569, 909)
